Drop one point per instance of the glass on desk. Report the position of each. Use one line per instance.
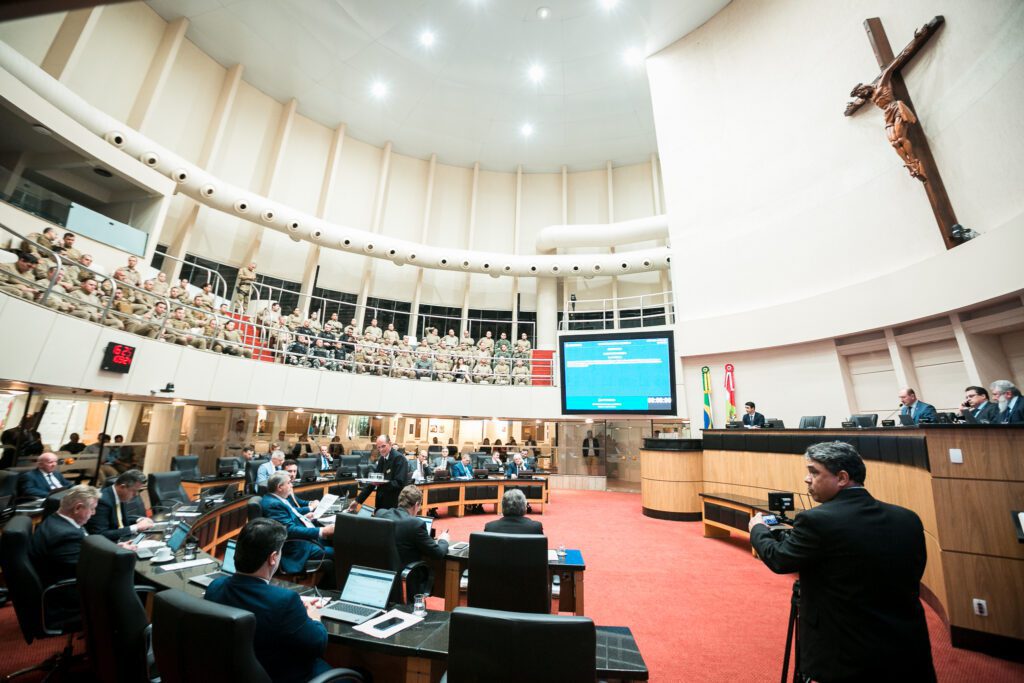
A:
(561, 552)
(419, 605)
(190, 550)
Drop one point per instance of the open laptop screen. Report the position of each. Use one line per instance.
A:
(177, 538)
(228, 565)
(428, 521)
(366, 586)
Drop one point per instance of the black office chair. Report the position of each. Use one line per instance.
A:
(370, 542)
(812, 422)
(31, 599)
(254, 507)
(509, 572)
(364, 456)
(495, 646)
(349, 465)
(117, 632)
(165, 490)
(865, 420)
(251, 470)
(226, 467)
(184, 627)
(188, 465)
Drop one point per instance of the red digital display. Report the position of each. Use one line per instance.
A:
(118, 357)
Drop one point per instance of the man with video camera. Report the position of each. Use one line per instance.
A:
(860, 563)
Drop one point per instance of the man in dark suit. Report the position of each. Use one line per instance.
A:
(978, 406)
(591, 445)
(289, 641)
(301, 504)
(420, 469)
(1009, 401)
(395, 469)
(326, 462)
(860, 564)
(276, 506)
(463, 469)
(515, 466)
(43, 480)
(513, 509)
(113, 519)
(752, 419)
(919, 411)
(411, 537)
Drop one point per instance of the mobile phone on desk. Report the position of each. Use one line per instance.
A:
(387, 623)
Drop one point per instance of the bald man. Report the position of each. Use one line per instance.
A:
(44, 479)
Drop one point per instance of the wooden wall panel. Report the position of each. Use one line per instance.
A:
(671, 496)
(977, 519)
(999, 581)
(989, 452)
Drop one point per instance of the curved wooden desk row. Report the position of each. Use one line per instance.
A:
(962, 480)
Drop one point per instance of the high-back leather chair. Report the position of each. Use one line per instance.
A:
(812, 422)
(26, 592)
(199, 640)
(251, 469)
(370, 542)
(254, 507)
(509, 572)
(494, 646)
(116, 629)
(165, 489)
(188, 465)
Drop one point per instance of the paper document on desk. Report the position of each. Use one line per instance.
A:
(324, 505)
(150, 543)
(405, 620)
(186, 565)
(552, 556)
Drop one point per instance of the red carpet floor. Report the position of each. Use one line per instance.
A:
(701, 609)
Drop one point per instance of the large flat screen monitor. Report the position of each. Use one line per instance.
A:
(626, 373)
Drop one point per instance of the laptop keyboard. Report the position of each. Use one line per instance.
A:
(354, 610)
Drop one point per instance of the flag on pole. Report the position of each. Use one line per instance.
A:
(709, 422)
(730, 389)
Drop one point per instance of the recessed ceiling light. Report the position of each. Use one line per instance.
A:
(543, 12)
(536, 73)
(526, 130)
(379, 89)
(427, 38)
(609, 5)
(633, 56)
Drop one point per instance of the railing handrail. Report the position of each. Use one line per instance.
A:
(220, 278)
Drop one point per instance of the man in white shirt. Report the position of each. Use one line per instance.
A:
(420, 468)
(267, 469)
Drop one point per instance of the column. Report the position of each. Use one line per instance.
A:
(159, 71)
(67, 46)
(377, 219)
(164, 432)
(323, 204)
(284, 129)
(414, 314)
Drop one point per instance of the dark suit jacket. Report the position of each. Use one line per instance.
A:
(54, 551)
(288, 644)
(592, 443)
(396, 474)
(1013, 416)
(515, 525)
(988, 413)
(921, 410)
(510, 469)
(294, 555)
(299, 452)
(460, 471)
(755, 420)
(413, 541)
(860, 564)
(33, 483)
(104, 522)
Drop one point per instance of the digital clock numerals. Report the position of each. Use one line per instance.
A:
(122, 355)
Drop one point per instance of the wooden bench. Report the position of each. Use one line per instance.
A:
(725, 513)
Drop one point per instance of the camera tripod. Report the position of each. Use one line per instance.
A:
(793, 637)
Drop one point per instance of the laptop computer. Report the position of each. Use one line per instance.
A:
(906, 420)
(366, 511)
(364, 597)
(227, 567)
(178, 536)
(428, 521)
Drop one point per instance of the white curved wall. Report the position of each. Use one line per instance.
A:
(269, 148)
(806, 225)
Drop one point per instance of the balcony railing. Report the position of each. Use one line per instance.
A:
(643, 310)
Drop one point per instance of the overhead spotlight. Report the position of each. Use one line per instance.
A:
(379, 89)
(609, 5)
(427, 38)
(536, 73)
(543, 12)
(526, 130)
(633, 56)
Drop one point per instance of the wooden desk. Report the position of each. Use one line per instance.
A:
(455, 495)
(570, 572)
(671, 479)
(195, 487)
(964, 507)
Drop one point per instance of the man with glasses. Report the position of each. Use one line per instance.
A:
(977, 404)
(114, 519)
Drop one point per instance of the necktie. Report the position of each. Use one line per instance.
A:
(120, 515)
(295, 512)
(52, 481)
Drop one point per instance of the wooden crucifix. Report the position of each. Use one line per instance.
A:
(889, 93)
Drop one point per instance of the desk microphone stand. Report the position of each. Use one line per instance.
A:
(793, 636)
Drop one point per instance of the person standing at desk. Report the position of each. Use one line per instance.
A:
(43, 480)
(394, 467)
(112, 519)
(289, 641)
(977, 404)
(860, 563)
(462, 470)
(591, 445)
(753, 419)
(411, 537)
(915, 409)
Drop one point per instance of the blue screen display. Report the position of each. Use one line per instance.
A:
(629, 373)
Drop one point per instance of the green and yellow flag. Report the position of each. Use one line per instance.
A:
(709, 421)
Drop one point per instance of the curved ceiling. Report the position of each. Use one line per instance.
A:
(468, 96)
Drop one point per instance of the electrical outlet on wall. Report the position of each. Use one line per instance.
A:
(980, 607)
